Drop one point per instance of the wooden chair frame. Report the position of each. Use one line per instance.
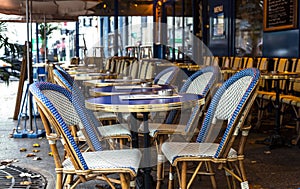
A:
(221, 153)
(80, 171)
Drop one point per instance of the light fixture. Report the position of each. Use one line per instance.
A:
(159, 3)
(104, 5)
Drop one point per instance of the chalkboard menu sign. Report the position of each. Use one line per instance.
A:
(280, 14)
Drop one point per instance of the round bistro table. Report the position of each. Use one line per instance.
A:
(143, 103)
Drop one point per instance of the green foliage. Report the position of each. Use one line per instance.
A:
(10, 49)
(4, 76)
(45, 31)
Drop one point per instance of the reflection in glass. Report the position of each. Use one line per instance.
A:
(249, 24)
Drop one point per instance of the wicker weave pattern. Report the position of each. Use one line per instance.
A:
(64, 107)
(198, 83)
(90, 160)
(109, 160)
(36, 89)
(173, 150)
(166, 76)
(239, 78)
(199, 86)
(115, 130)
(231, 97)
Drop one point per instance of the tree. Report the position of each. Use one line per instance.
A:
(45, 31)
(11, 49)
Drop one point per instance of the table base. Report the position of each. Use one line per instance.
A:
(274, 141)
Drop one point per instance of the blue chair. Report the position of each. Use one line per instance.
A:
(119, 132)
(201, 83)
(166, 76)
(61, 109)
(230, 106)
(62, 78)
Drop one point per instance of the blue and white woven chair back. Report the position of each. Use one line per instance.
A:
(50, 95)
(227, 105)
(63, 78)
(77, 95)
(201, 81)
(166, 76)
(70, 109)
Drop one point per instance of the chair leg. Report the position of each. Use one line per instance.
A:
(171, 177)
(160, 161)
(229, 176)
(69, 179)
(59, 178)
(297, 112)
(212, 175)
(124, 181)
(183, 175)
(243, 174)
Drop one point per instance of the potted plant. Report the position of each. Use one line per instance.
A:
(45, 31)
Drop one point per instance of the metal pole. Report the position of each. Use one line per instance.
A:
(183, 29)
(29, 66)
(45, 38)
(116, 16)
(173, 31)
(37, 42)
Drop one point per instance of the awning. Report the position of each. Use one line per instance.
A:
(49, 10)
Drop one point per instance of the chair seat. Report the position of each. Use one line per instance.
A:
(290, 99)
(109, 161)
(287, 99)
(157, 128)
(114, 130)
(110, 131)
(266, 95)
(175, 150)
(105, 115)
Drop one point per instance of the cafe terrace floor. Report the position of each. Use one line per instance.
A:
(266, 169)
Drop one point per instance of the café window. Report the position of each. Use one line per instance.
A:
(218, 23)
(249, 28)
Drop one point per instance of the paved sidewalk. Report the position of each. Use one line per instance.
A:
(278, 168)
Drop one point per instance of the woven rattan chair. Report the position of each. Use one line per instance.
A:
(146, 69)
(291, 100)
(266, 96)
(230, 106)
(53, 101)
(96, 61)
(200, 83)
(62, 78)
(120, 133)
(166, 76)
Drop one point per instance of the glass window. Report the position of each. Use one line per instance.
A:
(249, 27)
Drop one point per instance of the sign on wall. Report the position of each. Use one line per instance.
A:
(280, 14)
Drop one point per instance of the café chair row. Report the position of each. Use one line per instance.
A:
(230, 104)
(289, 88)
